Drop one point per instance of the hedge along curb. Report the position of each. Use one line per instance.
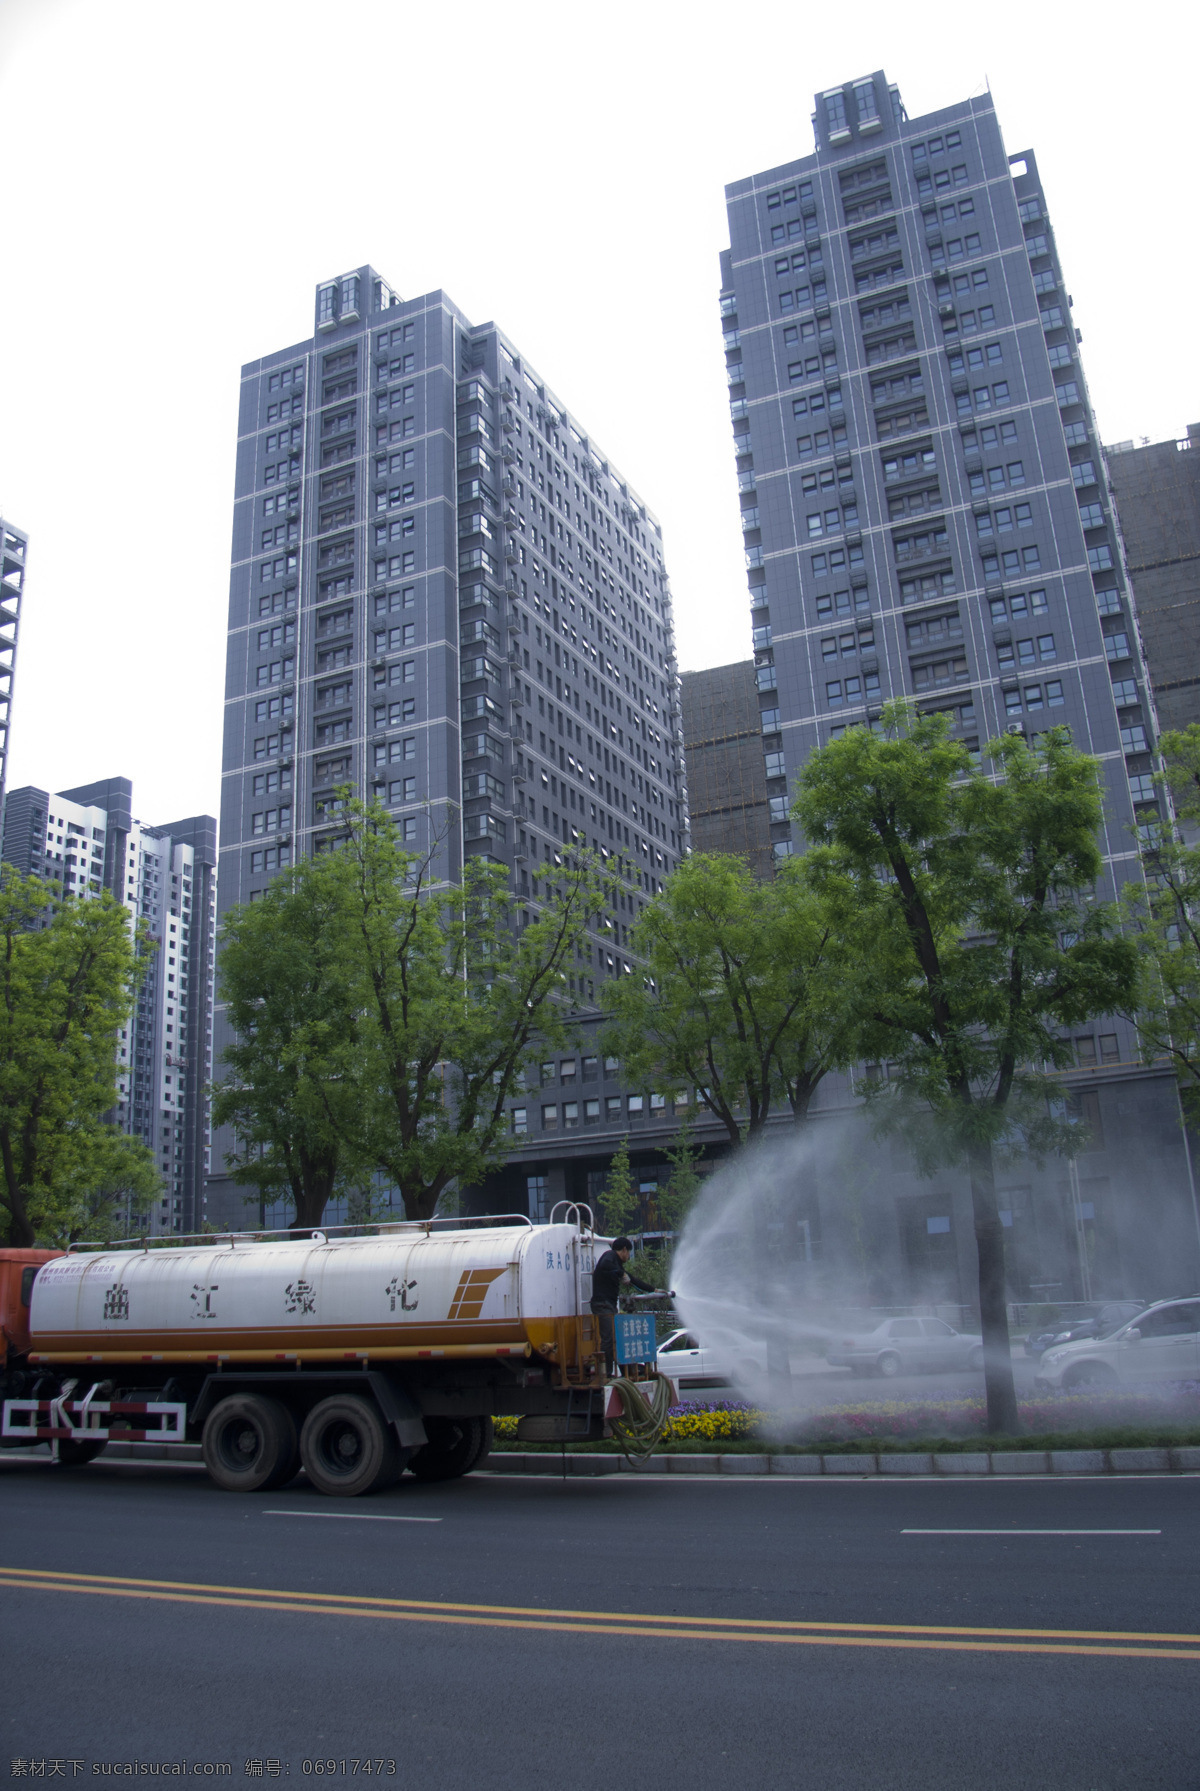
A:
(843, 1467)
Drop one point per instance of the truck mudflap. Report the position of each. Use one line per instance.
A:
(93, 1420)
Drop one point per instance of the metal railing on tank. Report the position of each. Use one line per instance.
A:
(373, 1228)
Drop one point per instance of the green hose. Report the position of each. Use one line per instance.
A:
(644, 1417)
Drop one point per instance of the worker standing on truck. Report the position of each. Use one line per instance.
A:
(608, 1276)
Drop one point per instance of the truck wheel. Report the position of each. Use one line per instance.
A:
(347, 1448)
(455, 1446)
(72, 1454)
(250, 1444)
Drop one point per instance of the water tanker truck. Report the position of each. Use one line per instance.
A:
(352, 1356)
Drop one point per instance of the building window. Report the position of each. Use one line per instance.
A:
(835, 116)
(864, 99)
(520, 1123)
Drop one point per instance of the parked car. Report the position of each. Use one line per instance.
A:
(691, 1364)
(1162, 1343)
(1096, 1320)
(907, 1346)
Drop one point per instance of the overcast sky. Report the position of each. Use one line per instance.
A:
(176, 180)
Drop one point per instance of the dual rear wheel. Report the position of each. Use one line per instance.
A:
(344, 1445)
(251, 1445)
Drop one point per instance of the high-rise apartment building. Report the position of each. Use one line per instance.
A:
(444, 595)
(1156, 488)
(926, 514)
(923, 492)
(14, 552)
(85, 841)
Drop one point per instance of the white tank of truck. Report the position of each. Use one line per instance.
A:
(356, 1358)
(406, 1293)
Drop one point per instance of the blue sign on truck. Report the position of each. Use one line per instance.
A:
(635, 1337)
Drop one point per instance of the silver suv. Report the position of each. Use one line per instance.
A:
(1160, 1344)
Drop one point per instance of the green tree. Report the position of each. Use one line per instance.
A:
(618, 1203)
(679, 1193)
(742, 993)
(291, 1092)
(1165, 912)
(458, 989)
(68, 976)
(985, 944)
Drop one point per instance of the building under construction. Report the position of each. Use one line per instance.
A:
(1156, 489)
(727, 783)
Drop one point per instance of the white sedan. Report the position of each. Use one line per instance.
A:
(1160, 1344)
(907, 1346)
(691, 1365)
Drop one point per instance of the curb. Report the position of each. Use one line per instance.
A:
(885, 1466)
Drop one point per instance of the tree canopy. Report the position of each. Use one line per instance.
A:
(68, 977)
(421, 1014)
(741, 996)
(1165, 911)
(290, 1090)
(618, 1202)
(977, 891)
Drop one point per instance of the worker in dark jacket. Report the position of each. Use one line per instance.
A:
(608, 1276)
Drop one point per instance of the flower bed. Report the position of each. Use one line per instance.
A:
(1157, 1418)
(722, 1422)
(882, 1421)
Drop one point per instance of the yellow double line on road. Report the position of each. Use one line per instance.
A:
(913, 1636)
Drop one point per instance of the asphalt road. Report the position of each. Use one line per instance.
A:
(593, 1634)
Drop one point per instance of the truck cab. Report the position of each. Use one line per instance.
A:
(18, 1269)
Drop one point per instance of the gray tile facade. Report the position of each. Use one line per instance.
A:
(924, 498)
(443, 594)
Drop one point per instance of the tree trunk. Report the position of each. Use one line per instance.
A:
(1002, 1419)
(21, 1235)
(420, 1203)
(312, 1195)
